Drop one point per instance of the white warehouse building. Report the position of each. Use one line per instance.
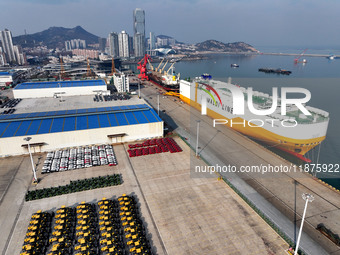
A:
(50, 130)
(63, 88)
(5, 78)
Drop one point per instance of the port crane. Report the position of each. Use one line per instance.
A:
(88, 73)
(167, 72)
(151, 66)
(113, 69)
(297, 60)
(62, 70)
(157, 68)
(142, 67)
(161, 71)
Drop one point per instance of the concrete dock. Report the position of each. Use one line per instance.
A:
(183, 215)
(278, 195)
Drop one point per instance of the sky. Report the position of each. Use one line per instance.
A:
(302, 23)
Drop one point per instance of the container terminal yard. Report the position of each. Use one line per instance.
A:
(182, 213)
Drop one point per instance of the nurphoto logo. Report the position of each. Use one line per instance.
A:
(239, 103)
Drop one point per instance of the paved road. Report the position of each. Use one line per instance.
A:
(224, 146)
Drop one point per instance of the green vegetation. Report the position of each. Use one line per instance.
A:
(75, 186)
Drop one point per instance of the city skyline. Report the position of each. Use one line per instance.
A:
(261, 22)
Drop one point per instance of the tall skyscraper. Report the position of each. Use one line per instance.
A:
(131, 45)
(113, 44)
(7, 45)
(102, 44)
(2, 57)
(19, 55)
(138, 42)
(139, 27)
(152, 41)
(123, 42)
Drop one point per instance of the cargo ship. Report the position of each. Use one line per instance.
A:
(164, 78)
(276, 71)
(294, 133)
(167, 81)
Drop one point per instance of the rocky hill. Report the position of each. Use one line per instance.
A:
(55, 37)
(216, 46)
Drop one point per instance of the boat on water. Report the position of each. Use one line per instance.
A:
(294, 133)
(276, 71)
(331, 57)
(234, 65)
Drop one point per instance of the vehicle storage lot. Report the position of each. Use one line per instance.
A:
(79, 157)
(129, 186)
(200, 215)
(183, 215)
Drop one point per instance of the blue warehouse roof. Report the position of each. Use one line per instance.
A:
(73, 120)
(60, 84)
(4, 73)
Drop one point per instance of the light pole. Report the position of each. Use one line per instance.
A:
(29, 151)
(198, 129)
(307, 198)
(158, 104)
(139, 90)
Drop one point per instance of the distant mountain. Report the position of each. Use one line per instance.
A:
(55, 37)
(216, 46)
(164, 37)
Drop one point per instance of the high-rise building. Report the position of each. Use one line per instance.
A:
(121, 82)
(139, 27)
(123, 42)
(102, 44)
(68, 46)
(19, 55)
(113, 44)
(92, 54)
(138, 42)
(152, 41)
(7, 45)
(75, 44)
(139, 21)
(162, 41)
(2, 58)
(131, 45)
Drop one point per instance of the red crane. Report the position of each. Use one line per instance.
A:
(296, 60)
(142, 67)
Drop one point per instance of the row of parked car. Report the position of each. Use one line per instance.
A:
(9, 111)
(113, 97)
(80, 157)
(153, 146)
(11, 103)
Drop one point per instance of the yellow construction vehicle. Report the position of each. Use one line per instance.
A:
(170, 93)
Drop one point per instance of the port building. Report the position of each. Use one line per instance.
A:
(52, 130)
(121, 82)
(62, 88)
(74, 120)
(5, 78)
